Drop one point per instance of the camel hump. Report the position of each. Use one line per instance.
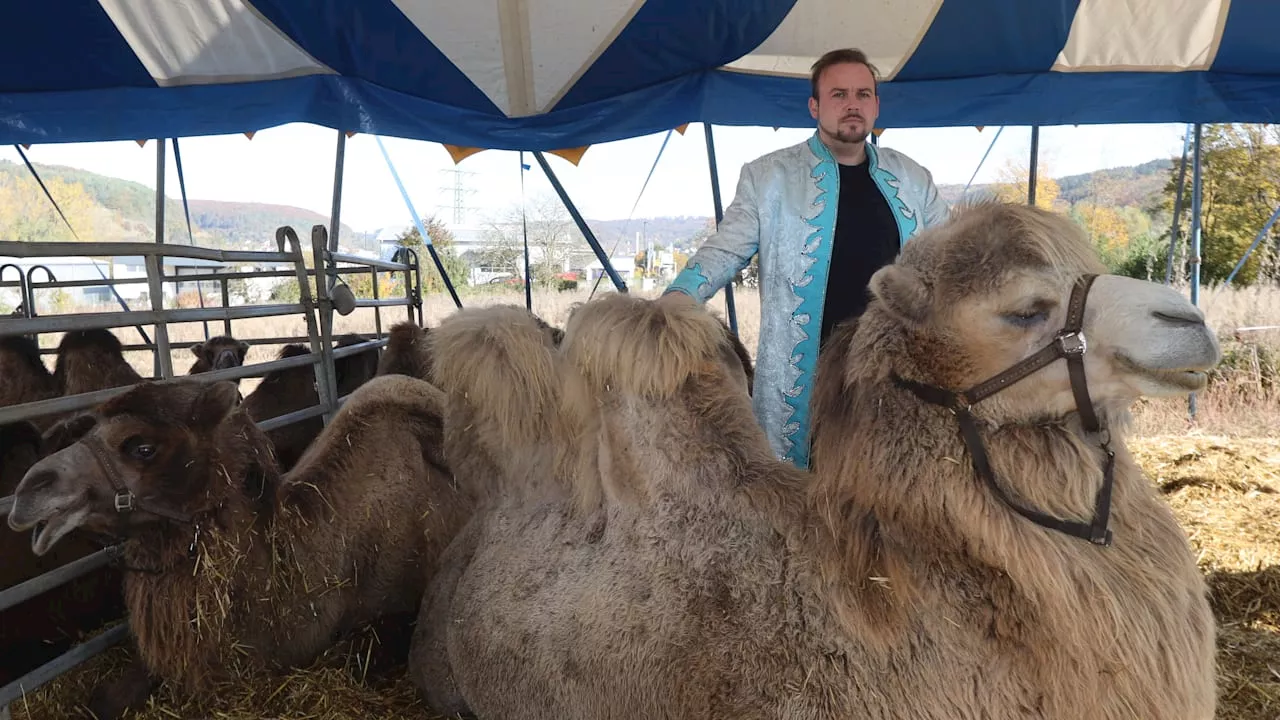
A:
(406, 352)
(498, 363)
(25, 348)
(644, 347)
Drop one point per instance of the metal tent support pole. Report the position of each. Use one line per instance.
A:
(1034, 166)
(729, 305)
(524, 226)
(1197, 196)
(335, 210)
(1177, 206)
(158, 302)
(582, 224)
(1252, 246)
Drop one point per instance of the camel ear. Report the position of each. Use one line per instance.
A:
(902, 293)
(244, 349)
(197, 349)
(215, 403)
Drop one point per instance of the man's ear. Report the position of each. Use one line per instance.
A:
(903, 293)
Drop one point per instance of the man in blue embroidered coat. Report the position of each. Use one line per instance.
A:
(823, 215)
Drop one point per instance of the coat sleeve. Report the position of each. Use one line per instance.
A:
(726, 252)
(936, 209)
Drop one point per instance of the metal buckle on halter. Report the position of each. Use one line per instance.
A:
(124, 501)
(1072, 343)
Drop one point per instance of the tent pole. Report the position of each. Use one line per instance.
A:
(729, 306)
(1197, 196)
(156, 285)
(1177, 206)
(160, 190)
(582, 224)
(335, 210)
(1034, 166)
(1245, 258)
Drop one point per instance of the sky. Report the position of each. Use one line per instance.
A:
(294, 165)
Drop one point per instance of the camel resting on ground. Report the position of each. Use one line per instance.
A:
(291, 389)
(218, 353)
(232, 567)
(678, 569)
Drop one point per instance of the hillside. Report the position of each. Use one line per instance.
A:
(110, 209)
(1135, 185)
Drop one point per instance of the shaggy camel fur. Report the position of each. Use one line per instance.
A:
(254, 571)
(24, 377)
(406, 352)
(682, 571)
(218, 353)
(90, 360)
(284, 391)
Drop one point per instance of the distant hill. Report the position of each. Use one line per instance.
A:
(1134, 185)
(110, 209)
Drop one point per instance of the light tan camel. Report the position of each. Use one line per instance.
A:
(233, 567)
(680, 570)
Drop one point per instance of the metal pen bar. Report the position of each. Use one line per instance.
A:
(86, 321)
(367, 262)
(71, 403)
(61, 575)
(12, 248)
(61, 664)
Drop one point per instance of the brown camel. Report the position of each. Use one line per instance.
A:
(406, 352)
(24, 377)
(233, 567)
(682, 571)
(218, 353)
(284, 391)
(91, 360)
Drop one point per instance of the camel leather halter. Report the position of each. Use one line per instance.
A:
(1070, 344)
(126, 501)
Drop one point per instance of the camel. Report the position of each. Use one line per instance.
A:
(406, 352)
(292, 389)
(24, 377)
(218, 353)
(678, 569)
(234, 568)
(91, 360)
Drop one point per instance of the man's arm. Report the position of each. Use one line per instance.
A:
(936, 209)
(727, 251)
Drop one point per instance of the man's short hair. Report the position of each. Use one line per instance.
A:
(839, 57)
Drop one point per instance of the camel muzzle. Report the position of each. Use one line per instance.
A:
(1071, 344)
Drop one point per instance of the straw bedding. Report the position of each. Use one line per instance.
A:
(1226, 493)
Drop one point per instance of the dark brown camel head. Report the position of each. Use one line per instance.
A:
(170, 451)
(971, 298)
(218, 353)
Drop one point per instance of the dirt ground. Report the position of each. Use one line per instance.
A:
(1226, 491)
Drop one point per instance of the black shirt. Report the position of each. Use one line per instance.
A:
(866, 239)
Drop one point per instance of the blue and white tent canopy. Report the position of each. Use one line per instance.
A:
(547, 74)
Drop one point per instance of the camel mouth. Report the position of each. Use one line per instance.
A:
(1187, 379)
(47, 532)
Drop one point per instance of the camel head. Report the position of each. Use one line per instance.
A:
(218, 353)
(145, 457)
(970, 299)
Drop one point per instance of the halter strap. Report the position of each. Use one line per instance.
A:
(1069, 343)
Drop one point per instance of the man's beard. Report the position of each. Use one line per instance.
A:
(847, 136)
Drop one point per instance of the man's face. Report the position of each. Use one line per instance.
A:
(847, 105)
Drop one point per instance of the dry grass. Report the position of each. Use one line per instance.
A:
(1221, 474)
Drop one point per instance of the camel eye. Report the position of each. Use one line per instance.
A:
(1027, 318)
(139, 449)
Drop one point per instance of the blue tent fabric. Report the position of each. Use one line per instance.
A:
(549, 74)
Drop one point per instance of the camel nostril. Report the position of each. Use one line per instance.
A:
(1188, 316)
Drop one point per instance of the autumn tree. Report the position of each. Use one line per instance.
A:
(1013, 183)
(26, 215)
(1240, 167)
(444, 242)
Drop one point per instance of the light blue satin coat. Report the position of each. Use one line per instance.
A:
(785, 209)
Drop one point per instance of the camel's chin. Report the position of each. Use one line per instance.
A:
(47, 532)
(1168, 382)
